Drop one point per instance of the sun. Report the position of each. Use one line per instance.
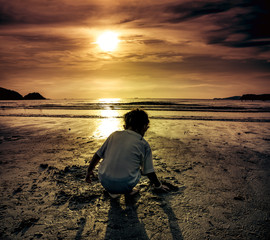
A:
(108, 41)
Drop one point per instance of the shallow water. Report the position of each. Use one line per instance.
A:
(172, 109)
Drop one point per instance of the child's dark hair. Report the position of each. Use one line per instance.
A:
(136, 119)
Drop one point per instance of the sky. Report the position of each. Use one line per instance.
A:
(166, 48)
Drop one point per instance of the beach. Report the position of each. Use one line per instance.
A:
(70, 72)
(217, 172)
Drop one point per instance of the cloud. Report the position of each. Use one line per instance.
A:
(189, 44)
(246, 17)
(45, 12)
(194, 9)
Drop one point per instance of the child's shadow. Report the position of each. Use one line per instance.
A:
(124, 223)
(164, 199)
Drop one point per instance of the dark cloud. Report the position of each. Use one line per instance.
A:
(256, 23)
(262, 44)
(127, 20)
(247, 17)
(44, 12)
(36, 49)
(194, 9)
(42, 38)
(154, 41)
(253, 25)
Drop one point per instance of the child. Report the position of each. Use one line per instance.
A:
(126, 154)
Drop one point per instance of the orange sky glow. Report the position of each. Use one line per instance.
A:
(165, 48)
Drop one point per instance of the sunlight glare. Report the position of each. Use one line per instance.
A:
(109, 124)
(108, 41)
(109, 113)
(109, 100)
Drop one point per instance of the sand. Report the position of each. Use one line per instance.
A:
(218, 173)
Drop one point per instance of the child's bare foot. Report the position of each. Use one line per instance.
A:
(133, 192)
(112, 195)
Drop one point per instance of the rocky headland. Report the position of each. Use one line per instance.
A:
(251, 97)
(6, 94)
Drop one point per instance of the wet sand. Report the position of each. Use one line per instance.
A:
(218, 172)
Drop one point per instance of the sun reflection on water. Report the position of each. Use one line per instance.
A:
(109, 113)
(109, 123)
(109, 100)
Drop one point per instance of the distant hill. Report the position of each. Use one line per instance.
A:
(6, 94)
(262, 97)
(252, 97)
(33, 96)
(229, 98)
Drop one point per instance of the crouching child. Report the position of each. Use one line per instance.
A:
(125, 156)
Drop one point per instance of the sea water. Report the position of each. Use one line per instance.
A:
(167, 109)
(168, 117)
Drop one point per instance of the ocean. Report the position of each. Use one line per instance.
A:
(167, 109)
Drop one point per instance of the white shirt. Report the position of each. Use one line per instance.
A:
(124, 153)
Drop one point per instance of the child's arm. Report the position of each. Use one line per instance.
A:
(154, 180)
(95, 160)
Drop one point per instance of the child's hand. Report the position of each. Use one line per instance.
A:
(88, 176)
(161, 189)
(165, 188)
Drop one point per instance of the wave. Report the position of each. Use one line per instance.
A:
(150, 103)
(146, 106)
(200, 118)
(173, 105)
